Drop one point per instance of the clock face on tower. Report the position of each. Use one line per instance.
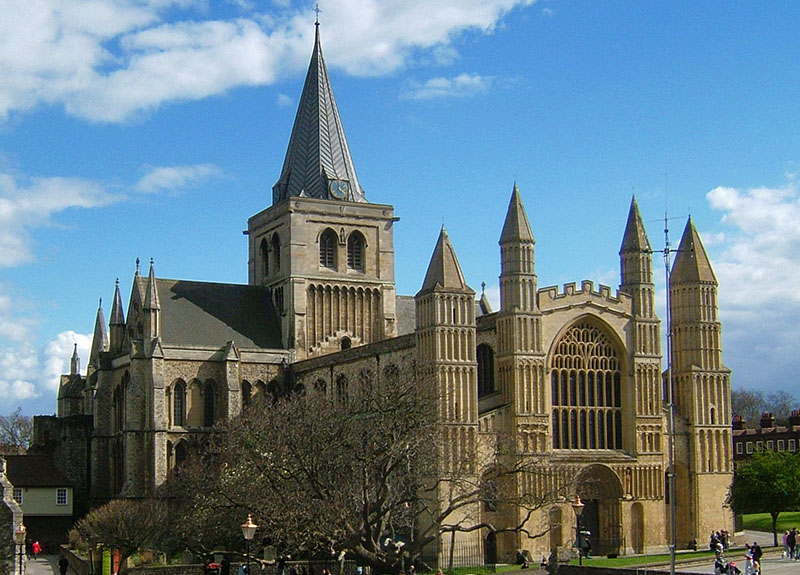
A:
(339, 189)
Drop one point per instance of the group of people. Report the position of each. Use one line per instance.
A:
(791, 546)
(718, 541)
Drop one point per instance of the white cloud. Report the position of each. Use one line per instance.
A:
(175, 177)
(284, 100)
(30, 205)
(462, 85)
(57, 355)
(107, 60)
(758, 270)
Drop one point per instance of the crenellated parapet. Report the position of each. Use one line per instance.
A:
(550, 298)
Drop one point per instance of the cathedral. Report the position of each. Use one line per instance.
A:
(573, 374)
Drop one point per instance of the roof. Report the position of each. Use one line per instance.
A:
(635, 238)
(207, 314)
(691, 263)
(318, 151)
(444, 271)
(34, 471)
(516, 227)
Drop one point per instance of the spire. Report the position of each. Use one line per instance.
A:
(152, 306)
(75, 362)
(151, 300)
(318, 162)
(691, 263)
(516, 227)
(635, 238)
(117, 323)
(100, 338)
(443, 269)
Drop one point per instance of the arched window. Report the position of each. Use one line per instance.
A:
(208, 406)
(485, 370)
(276, 253)
(355, 252)
(246, 390)
(327, 249)
(180, 453)
(346, 343)
(585, 385)
(341, 388)
(264, 252)
(273, 390)
(320, 385)
(179, 404)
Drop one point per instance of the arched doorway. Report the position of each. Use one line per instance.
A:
(601, 491)
(490, 548)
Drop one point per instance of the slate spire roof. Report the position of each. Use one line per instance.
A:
(318, 153)
(100, 337)
(444, 271)
(691, 263)
(516, 227)
(635, 238)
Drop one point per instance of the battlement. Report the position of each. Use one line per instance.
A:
(551, 297)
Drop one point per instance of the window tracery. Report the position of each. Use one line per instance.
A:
(586, 390)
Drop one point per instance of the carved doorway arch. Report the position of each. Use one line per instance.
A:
(601, 491)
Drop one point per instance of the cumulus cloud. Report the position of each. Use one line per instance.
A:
(173, 178)
(757, 267)
(106, 60)
(462, 85)
(27, 205)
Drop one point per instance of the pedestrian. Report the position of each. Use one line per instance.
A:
(63, 565)
(243, 569)
(757, 553)
(225, 566)
(36, 548)
(587, 547)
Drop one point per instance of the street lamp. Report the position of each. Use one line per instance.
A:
(577, 507)
(19, 540)
(248, 530)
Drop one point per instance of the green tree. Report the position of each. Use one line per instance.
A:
(766, 483)
(126, 524)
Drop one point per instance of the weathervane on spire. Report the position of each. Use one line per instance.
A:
(317, 11)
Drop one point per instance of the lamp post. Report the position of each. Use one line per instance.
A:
(577, 507)
(19, 540)
(248, 530)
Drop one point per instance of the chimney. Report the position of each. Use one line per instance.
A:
(794, 418)
(767, 420)
(739, 421)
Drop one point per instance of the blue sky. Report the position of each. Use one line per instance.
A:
(155, 128)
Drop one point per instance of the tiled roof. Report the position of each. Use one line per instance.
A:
(34, 471)
(207, 314)
(318, 151)
(635, 238)
(444, 271)
(691, 263)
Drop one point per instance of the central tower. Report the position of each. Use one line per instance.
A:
(325, 253)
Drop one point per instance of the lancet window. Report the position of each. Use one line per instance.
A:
(327, 249)
(355, 252)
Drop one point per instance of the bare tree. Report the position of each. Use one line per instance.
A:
(781, 403)
(748, 403)
(127, 525)
(15, 432)
(345, 470)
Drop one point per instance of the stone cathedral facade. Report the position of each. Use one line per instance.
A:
(572, 374)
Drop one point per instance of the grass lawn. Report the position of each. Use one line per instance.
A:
(763, 521)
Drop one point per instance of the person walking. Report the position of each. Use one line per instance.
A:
(36, 548)
(757, 553)
(791, 542)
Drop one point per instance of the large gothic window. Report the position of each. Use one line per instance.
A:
(355, 251)
(485, 370)
(327, 249)
(586, 390)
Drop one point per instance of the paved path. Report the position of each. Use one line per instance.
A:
(44, 565)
